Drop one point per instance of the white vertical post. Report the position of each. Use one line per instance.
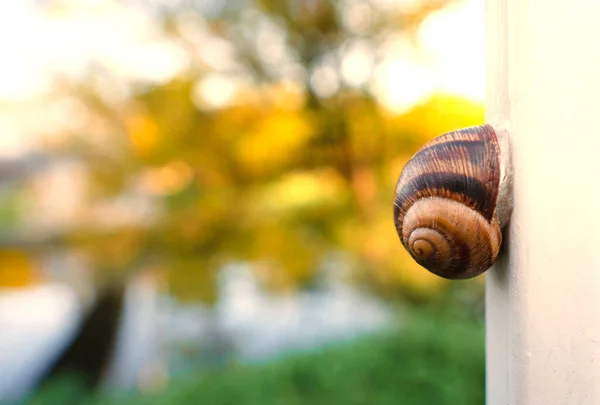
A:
(543, 301)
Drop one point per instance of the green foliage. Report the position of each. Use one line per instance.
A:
(67, 389)
(434, 360)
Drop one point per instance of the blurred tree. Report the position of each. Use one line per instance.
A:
(268, 147)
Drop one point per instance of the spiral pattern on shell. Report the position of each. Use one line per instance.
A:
(445, 203)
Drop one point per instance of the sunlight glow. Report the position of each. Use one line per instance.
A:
(69, 42)
(324, 79)
(403, 79)
(357, 63)
(214, 91)
(455, 41)
(20, 74)
(357, 17)
(448, 55)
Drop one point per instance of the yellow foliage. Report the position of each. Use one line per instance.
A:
(365, 131)
(190, 279)
(301, 190)
(167, 179)
(113, 251)
(17, 269)
(394, 168)
(285, 256)
(274, 141)
(286, 95)
(278, 174)
(440, 114)
(143, 133)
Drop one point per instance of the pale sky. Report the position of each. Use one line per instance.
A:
(449, 56)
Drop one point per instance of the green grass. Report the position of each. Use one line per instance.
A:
(433, 360)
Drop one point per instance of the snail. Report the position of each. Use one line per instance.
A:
(452, 201)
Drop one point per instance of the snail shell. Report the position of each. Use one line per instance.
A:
(450, 205)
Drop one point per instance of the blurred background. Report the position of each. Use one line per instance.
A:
(196, 201)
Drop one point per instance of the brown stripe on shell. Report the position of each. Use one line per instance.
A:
(463, 165)
(465, 134)
(448, 151)
(467, 190)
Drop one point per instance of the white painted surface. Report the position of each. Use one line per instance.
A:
(497, 282)
(543, 319)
